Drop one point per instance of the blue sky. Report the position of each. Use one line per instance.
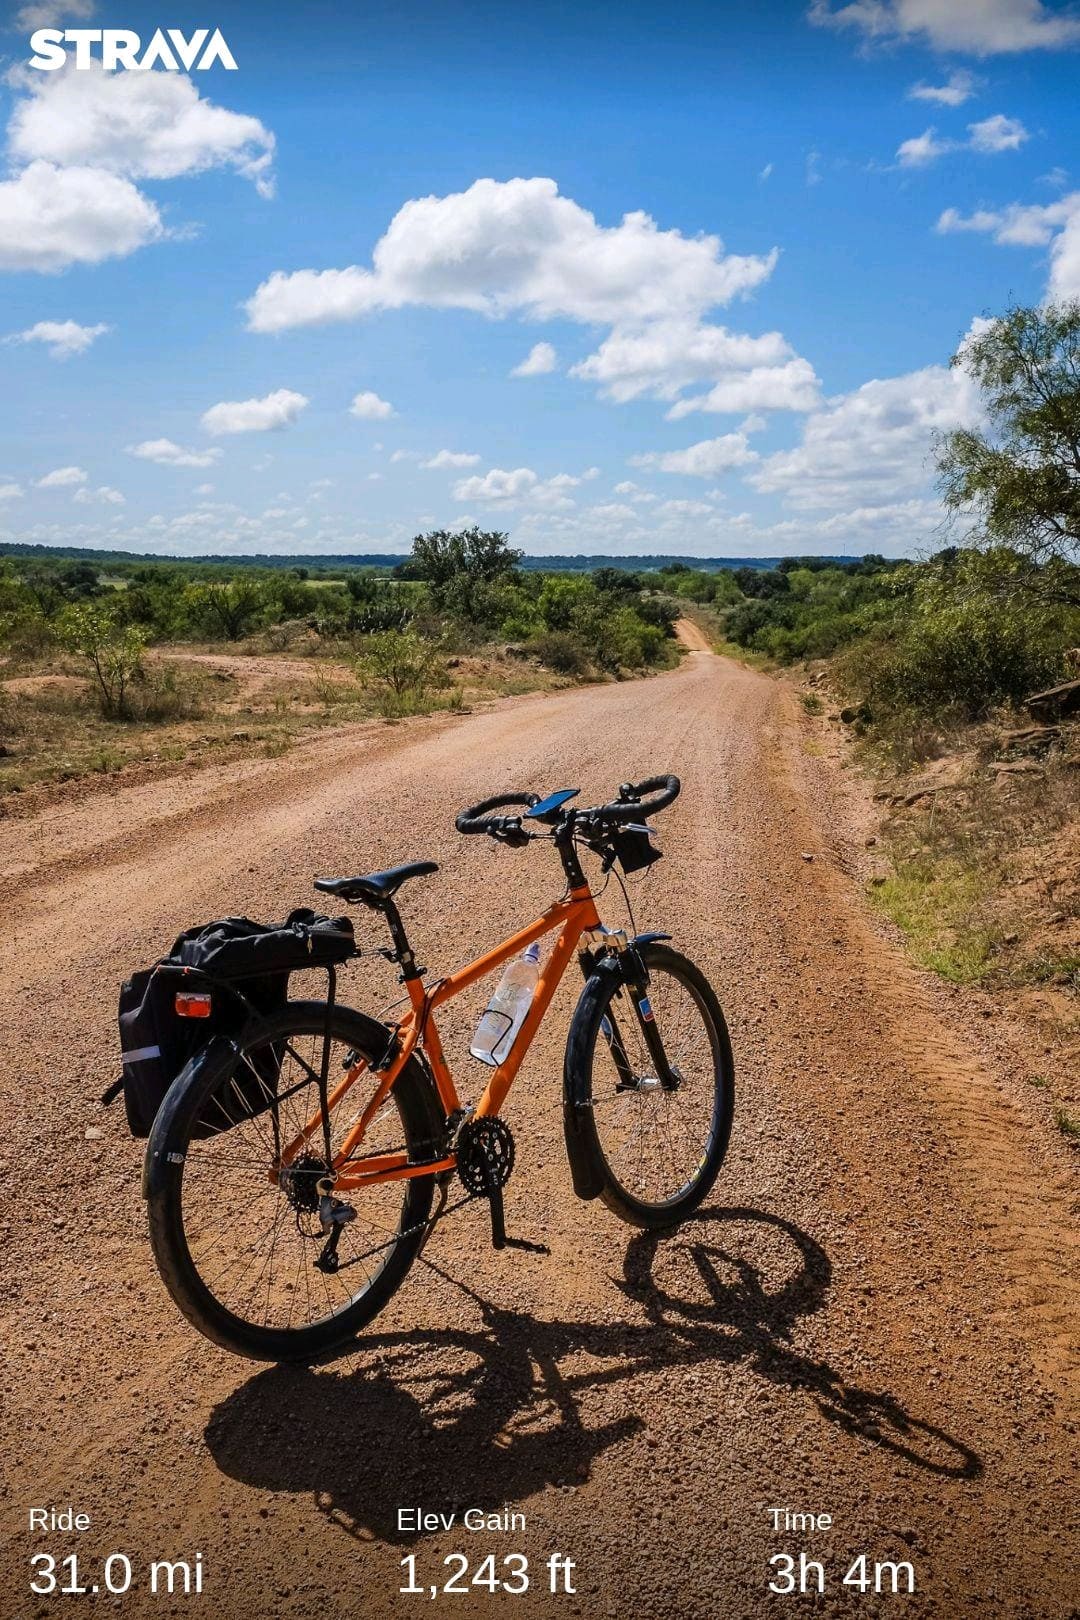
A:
(733, 246)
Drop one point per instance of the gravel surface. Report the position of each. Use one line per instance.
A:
(873, 1319)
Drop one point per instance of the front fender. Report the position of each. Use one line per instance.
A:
(627, 966)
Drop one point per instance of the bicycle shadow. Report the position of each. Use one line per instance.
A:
(485, 1417)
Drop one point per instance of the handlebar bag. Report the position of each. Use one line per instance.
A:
(156, 1044)
(634, 850)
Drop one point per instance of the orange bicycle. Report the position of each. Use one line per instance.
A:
(282, 1235)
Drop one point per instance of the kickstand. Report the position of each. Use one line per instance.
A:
(498, 1221)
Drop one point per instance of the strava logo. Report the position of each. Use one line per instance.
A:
(170, 48)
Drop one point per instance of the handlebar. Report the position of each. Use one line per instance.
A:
(629, 806)
(478, 819)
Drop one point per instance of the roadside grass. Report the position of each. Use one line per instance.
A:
(1068, 1124)
(939, 908)
(187, 710)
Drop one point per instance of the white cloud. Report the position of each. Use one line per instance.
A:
(763, 174)
(981, 27)
(997, 134)
(204, 489)
(103, 496)
(703, 460)
(45, 13)
(451, 458)
(273, 411)
(959, 87)
(62, 338)
(51, 218)
(10, 491)
(1065, 261)
(519, 486)
(871, 445)
(168, 454)
(663, 358)
(987, 136)
(540, 359)
(516, 247)
(1031, 225)
(62, 478)
(150, 125)
(922, 149)
(370, 408)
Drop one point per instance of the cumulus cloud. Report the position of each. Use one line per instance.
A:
(62, 478)
(61, 338)
(997, 134)
(987, 136)
(981, 27)
(370, 408)
(104, 496)
(664, 358)
(51, 218)
(151, 126)
(1017, 224)
(922, 149)
(519, 486)
(873, 444)
(1032, 225)
(540, 359)
(516, 247)
(703, 460)
(9, 490)
(168, 454)
(45, 13)
(451, 458)
(264, 415)
(959, 87)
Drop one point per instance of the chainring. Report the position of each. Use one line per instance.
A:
(485, 1154)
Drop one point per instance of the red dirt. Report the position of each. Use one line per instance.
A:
(874, 1318)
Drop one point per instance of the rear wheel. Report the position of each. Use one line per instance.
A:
(658, 1150)
(244, 1256)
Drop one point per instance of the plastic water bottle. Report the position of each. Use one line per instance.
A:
(497, 1029)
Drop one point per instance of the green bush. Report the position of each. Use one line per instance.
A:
(968, 642)
(112, 650)
(560, 651)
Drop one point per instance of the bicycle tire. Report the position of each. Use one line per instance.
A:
(174, 1154)
(598, 1091)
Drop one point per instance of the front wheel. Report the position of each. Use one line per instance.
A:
(656, 1141)
(244, 1253)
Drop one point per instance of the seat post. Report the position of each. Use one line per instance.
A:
(402, 948)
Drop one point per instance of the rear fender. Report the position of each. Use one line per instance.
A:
(218, 1056)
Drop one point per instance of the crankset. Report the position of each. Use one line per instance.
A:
(485, 1161)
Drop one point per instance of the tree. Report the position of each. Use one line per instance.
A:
(113, 651)
(232, 605)
(1021, 478)
(443, 556)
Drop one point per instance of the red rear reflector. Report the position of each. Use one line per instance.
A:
(192, 1004)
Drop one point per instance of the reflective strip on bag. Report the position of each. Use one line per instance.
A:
(141, 1054)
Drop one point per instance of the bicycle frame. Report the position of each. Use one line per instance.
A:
(573, 917)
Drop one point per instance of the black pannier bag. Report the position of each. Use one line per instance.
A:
(244, 966)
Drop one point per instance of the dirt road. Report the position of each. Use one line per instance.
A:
(872, 1320)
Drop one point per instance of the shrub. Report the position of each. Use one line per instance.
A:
(113, 651)
(405, 669)
(560, 651)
